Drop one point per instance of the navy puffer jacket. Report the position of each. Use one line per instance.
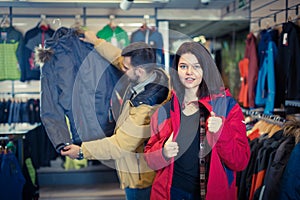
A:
(75, 82)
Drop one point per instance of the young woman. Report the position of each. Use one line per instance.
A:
(198, 139)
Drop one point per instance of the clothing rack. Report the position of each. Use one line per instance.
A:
(5, 22)
(4, 138)
(84, 16)
(12, 92)
(294, 103)
(257, 114)
(17, 131)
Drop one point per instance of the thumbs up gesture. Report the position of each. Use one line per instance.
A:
(214, 123)
(171, 148)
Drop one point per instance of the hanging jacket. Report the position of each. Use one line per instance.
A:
(265, 153)
(33, 38)
(11, 177)
(11, 48)
(276, 168)
(230, 149)
(243, 94)
(251, 54)
(153, 38)
(290, 182)
(288, 71)
(265, 89)
(67, 61)
(115, 35)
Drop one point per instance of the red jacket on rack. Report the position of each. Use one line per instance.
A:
(251, 54)
(243, 95)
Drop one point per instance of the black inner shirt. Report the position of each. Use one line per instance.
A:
(186, 168)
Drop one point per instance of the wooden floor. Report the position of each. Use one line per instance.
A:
(110, 191)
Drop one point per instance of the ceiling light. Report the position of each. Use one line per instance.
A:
(182, 25)
(126, 4)
(205, 2)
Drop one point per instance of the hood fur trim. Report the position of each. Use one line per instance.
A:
(42, 55)
(292, 128)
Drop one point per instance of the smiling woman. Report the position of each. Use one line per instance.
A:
(197, 134)
(190, 72)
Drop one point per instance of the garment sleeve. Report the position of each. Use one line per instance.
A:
(270, 100)
(232, 144)
(130, 133)
(52, 115)
(110, 53)
(253, 70)
(19, 51)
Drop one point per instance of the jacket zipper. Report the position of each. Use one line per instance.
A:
(137, 155)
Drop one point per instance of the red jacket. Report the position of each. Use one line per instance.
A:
(243, 95)
(230, 147)
(252, 75)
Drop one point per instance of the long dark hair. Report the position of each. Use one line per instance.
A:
(211, 82)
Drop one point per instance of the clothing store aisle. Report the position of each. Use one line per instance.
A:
(107, 191)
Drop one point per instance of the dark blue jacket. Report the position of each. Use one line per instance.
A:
(75, 82)
(152, 37)
(11, 178)
(290, 183)
(33, 38)
(276, 168)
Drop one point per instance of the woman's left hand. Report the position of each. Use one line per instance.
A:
(71, 150)
(214, 123)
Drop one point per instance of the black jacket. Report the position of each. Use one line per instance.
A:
(288, 71)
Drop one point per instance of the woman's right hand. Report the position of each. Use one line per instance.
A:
(171, 148)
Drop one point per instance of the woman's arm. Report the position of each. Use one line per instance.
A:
(232, 144)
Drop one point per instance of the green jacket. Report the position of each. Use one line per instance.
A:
(115, 35)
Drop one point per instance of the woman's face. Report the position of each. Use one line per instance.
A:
(189, 70)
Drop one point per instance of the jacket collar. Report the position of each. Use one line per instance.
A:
(141, 86)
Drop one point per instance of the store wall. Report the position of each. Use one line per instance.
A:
(96, 18)
(24, 19)
(270, 13)
(263, 15)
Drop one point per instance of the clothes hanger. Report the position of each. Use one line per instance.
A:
(5, 22)
(112, 23)
(77, 23)
(43, 22)
(145, 22)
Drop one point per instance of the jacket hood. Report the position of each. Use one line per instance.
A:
(44, 54)
(292, 128)
(165, 81)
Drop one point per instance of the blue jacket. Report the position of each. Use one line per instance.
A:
(75, 82)
(265, 89)
(33, 38)
(290, 182)
(151, 37)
